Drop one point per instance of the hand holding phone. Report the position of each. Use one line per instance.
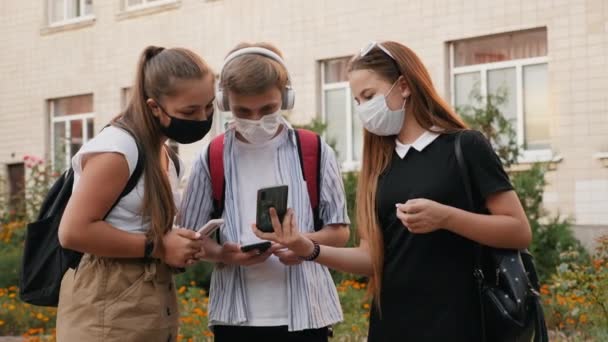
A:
(273, 197)
(210, 227)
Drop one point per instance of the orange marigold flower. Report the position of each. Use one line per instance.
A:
(545, 289)
(598, 263)
(181, 290)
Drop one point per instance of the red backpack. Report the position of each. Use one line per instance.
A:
(309, 151)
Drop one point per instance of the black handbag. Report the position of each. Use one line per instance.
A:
(508, 285)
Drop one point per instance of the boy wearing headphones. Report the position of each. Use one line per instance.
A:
(271, 295)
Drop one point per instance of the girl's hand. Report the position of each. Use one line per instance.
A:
(286, 256)
(286, 234)
(421, 216)
(180, 247)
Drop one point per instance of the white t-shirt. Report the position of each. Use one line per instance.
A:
(126, 215)
(265, 283)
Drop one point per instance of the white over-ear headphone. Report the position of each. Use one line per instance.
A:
(288, 94)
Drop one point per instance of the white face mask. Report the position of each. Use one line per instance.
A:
(378, 119)
(259, 131)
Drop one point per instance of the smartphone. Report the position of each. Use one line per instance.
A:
(210, 227)
(273, 197)
(260, 246)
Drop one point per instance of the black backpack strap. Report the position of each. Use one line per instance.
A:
(136, 175)
(477, 269)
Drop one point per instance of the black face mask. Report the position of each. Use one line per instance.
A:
(186, 131)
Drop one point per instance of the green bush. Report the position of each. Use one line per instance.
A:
(576, 296)
(10, 265)
(199, 274)
(356, 307)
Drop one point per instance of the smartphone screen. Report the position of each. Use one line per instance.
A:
(273, 197)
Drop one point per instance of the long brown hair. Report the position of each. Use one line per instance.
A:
(430, 111)
(158, 71)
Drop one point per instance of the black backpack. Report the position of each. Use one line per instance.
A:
(44, 261)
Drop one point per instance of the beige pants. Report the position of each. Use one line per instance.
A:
(124, 300)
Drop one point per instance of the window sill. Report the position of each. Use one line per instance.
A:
(602, 157)
(147, 9)
(68, 25)
(527, 161)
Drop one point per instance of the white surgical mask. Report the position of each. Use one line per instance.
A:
(378, 119)
(259, 131)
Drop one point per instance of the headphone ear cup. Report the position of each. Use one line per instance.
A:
(289, 98)
(222, 104)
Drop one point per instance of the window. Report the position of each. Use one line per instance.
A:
(139, 4)
(71, 126)
(63, 12)
(513, 63)
(16, 183)
(125, 97)
(337, 105)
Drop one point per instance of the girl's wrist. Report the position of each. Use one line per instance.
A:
(449, 213)
(303, 246)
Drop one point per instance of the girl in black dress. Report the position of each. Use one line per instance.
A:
(417, 242)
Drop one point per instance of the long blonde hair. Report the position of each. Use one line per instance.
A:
(429, 110)
(158, 71)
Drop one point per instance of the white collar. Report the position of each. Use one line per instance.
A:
(420, 144)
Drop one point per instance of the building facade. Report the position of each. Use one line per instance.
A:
(67, 65)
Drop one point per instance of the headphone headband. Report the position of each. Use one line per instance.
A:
(288, 93)
(254, 50)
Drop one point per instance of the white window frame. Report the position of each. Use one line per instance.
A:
(147, 4)
(527, 156)
(81, 17)
(66, 119)
(349, 164)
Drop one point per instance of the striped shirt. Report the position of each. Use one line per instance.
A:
(312, 298)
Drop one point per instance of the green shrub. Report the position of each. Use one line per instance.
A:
(10, 266)
(576, 297)
(356, 308)
(199, 273)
